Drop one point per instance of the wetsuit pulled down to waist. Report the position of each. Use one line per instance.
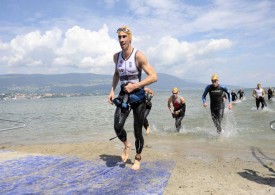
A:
(124, 106)
(179, 115)
(179, 112)
(125, 100)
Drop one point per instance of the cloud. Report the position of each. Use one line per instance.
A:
(84, 50)
(178, 37)
(171, 54)
(78, 48)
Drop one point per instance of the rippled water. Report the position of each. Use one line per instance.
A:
(90, 118)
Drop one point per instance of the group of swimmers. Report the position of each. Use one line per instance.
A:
(234, 95)
(135, 95)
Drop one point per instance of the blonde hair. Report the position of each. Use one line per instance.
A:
(129, 32)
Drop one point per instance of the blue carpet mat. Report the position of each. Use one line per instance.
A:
(64, 175)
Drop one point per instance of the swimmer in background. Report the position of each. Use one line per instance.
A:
(259, 94)
(234, 96)
(179, 107)
(241, 94)
(149, 95)
(270, 93)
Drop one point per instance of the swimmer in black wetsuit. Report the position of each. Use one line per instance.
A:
(216, 91)
(270, 93)
(234, 95)
(149, 95)
(241, 94)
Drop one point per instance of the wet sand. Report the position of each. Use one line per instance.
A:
(201, 167)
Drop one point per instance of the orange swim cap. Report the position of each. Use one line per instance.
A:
(214, 77)
(175, 90)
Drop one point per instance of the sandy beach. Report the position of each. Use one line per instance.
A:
(200, 168)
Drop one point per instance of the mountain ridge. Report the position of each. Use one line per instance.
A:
(81, 83)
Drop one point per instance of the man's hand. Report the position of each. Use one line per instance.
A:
(130, 87)
(205, 104)
(111, 97)
(176, 113)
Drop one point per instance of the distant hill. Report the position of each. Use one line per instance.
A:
(167, 82)
(56, 83)
(80, 83)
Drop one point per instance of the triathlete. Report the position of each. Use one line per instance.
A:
(149, 95)
(129, 64)
(270, 93)
(217, 106)
(179, 107)
(241, 94)
(258, 94)
(234, 95)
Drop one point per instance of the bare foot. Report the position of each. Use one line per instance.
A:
(136, 165)
(125, 153)
(148, 130)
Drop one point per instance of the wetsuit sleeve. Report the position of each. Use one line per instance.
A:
(227, 92)
(183, 107)
(205, 93)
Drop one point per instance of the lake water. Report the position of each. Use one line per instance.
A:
(79, 119)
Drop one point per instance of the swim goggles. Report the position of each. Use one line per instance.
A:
(125, 30)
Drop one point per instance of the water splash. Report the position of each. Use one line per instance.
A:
(230, 124)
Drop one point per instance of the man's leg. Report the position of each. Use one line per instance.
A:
(257, 103)
(217, 116)
(138, 112)
(146, 123)
(119, 121)
(178, 122)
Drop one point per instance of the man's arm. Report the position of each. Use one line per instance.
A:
(263, 93)
(229, 96)
(144, 65)
(115, 81)
(254, 94)
(182, 100)
(204, 95)
(169, 104)
(226, 90)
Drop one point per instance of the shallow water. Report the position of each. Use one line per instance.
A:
(90, 118)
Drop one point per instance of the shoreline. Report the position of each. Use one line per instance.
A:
(200, 168)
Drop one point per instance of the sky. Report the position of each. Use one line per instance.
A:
(189, 39)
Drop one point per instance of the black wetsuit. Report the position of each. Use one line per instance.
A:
(147, 111)
(260, 100)
(179, 108)
(241, 93)
(121, 115)
(234, 96)
(180, 116)
(269, 93)
(216, 103)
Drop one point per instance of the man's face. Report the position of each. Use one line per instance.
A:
(215, 83)
(124, 40)
(175, 95)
